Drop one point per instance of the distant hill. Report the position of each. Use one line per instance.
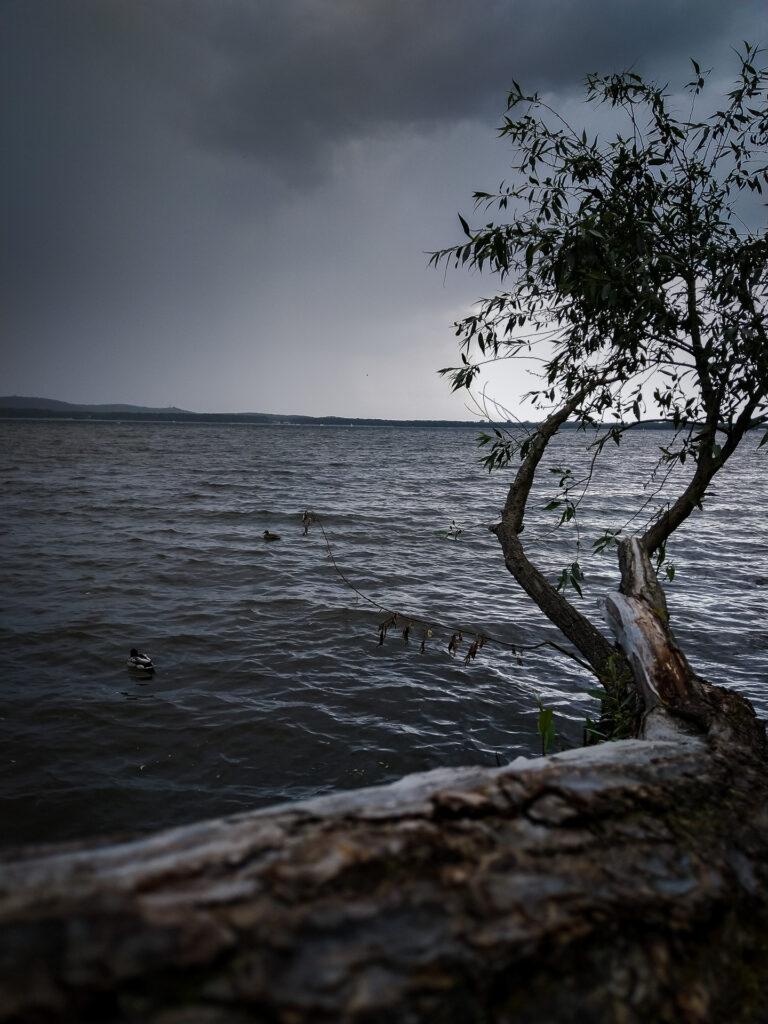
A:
(53, 405)
(20, 407)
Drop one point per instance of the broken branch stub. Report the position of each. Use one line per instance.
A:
(676, 700)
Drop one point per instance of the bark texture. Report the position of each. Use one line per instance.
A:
(625, 882)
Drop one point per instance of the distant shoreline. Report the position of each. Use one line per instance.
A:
(249, 419)
(21, 408)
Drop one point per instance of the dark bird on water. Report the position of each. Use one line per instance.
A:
(271, 536)
(140, 662)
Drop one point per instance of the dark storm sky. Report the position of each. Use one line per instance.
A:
(225, 205)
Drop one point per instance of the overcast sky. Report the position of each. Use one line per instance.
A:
(227, 205)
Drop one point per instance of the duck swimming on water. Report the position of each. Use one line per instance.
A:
(140, 662)
(271, 536)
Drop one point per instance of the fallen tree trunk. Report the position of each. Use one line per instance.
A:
(626, 882)
(621, 882)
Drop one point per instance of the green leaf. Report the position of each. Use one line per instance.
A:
(597, 694)
(545, 726)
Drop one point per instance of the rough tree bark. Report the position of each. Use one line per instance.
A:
(621, 883)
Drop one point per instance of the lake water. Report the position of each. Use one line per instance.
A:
(271, 683)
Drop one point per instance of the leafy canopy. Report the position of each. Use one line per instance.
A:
(625, 264)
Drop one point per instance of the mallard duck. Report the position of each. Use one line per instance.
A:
(140, 662)
(271, 536)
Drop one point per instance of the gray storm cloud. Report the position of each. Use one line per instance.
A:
(283, 82)
(188, 187)
(286, 81)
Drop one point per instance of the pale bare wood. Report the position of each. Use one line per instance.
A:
(675, 698)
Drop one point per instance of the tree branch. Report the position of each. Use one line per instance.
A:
(588, 640)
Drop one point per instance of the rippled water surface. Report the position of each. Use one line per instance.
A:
(271, 683)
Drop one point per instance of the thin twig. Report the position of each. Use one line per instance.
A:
(430, 624)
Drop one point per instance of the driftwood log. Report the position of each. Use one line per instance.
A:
(621, 883)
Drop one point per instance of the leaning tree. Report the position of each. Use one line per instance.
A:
(629, 270)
